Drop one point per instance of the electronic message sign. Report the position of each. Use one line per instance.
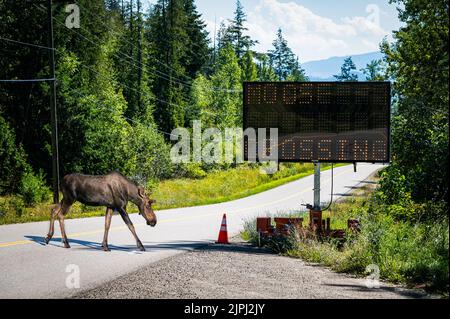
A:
(322, 121)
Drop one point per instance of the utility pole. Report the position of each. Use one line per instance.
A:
(131, 26)
(53, 111)
(139, 28)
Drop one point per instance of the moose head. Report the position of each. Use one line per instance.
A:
(145, 207)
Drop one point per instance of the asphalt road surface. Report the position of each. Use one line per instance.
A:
(30, 269)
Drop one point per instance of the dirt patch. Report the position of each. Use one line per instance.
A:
(240, 271)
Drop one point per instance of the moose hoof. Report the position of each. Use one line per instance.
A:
(66, 245)
(105, 248)
(47, 240)
(141, 248)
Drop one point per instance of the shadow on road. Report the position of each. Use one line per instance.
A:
(239, 247)
(85, 244)
(395, 290)
(186, 245)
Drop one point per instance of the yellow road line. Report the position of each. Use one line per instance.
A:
(24, 242)
(14, 243)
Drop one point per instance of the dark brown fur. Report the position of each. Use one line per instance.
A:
(112, 190)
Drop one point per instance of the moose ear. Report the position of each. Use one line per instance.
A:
(141, 191)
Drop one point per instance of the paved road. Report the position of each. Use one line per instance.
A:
(31, 270)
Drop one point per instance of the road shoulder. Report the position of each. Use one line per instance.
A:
(240, 270)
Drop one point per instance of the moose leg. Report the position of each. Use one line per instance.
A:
(127, 221)
(108, 215)
(55, 211)
(65, 208)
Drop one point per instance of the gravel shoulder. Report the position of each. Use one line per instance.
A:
(240, 271)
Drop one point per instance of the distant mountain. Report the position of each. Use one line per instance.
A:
(323, 70)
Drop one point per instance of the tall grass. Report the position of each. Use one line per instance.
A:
(226, 185)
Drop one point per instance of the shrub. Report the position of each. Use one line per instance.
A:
(33, 188)
(12, 160)
(281, 244)
(3, 208)
(191, 170)
(17, 205)
(151, 153)
(392, 185)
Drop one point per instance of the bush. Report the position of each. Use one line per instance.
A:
(12, 160)
(392, 185)
(18, 205)
(151, 154)
(190, 170)
(33, 188)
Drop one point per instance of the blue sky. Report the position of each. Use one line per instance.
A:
(314, 29)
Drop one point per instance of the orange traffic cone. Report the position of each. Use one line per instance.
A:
(223, 233)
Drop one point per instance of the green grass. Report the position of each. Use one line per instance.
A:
(216, 187)
(224, 186)
(411, 253)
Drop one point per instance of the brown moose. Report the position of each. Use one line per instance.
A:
(113, 191)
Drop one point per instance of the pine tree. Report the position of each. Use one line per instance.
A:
(297, 73)
(283, 60)
(249, 70)
(167, 39)
(132, 60)
(224, 37)
(198, 51)
(227, 105)
(201, 102)
(374, 71)
(347, 69)
(240, 41)
(265, 69)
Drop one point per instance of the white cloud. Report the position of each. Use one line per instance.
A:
(311, 36)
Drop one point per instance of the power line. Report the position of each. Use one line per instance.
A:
(115, 55)
(92, 42)
(130, 88)
(123, 60)
(99, 103)
(125, 117)
(145, 93)
(135, 90)
(129, 42)
(160, 74)
(26, 80)
(332, 184)
(26, 43)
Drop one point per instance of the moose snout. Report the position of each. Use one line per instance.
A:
(151, 223)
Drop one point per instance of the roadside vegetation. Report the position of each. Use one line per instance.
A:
(408, 244)
(405, 219)
(215, 187)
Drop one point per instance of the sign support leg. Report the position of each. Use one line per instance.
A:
(315, 212)
(316, 185)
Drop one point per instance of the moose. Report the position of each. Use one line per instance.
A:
(113, 190)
